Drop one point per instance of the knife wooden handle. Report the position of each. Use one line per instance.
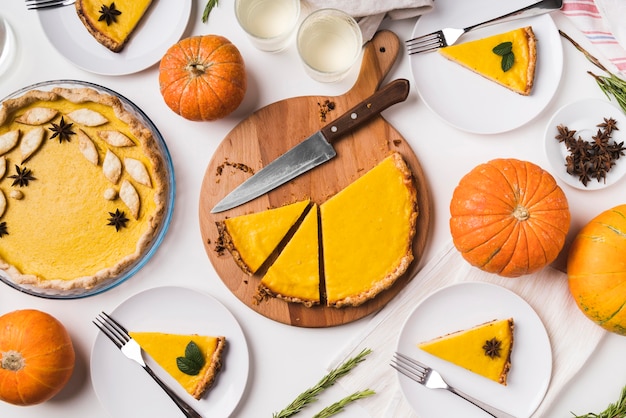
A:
(394, 92)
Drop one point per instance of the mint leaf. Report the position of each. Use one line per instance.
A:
(507, 62)
(503, 49)
(193, 360)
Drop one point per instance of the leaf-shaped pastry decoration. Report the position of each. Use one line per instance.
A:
(87, 147)
(112, 167)
(37, 116)
(130, 197)
(115, 138)
(137, 171)
(3, 203)
(8, 141)
(31, 141)
(87, 117)
(3, 166)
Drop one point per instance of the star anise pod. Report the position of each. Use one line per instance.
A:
(109, 14)
(118, 219)
(492, 347)
(565, 135)
(22, 177)
(3, 229)
(62, 130)
(609, 125)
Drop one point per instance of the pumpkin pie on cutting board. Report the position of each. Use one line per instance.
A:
(366, 234)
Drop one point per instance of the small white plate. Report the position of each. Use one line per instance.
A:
(126, 390)
(462, 306)
(161, 27)
(469, 101)
(582, 117)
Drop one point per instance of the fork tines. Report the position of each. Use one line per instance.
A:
(409, 367)
(46, 4)
(426, 43)
(112, 329)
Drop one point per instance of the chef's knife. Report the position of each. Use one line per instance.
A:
(314, 150)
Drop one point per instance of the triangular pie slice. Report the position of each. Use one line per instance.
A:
(111, 22)
(165, 349)
(367, 233)
(294, 275)
(484, 349)
(479, 56)
(252, 238)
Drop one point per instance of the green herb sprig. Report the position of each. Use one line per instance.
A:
(610, 84)
(193, 361)
(207, 9)
(310, 395)
(505, 50)
(614, 410)
(339, 406)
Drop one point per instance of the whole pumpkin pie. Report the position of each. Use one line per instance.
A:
(194, 361)
(484, 349)
(111, 22)
(367, 233)
(83, 188)
(508, 59)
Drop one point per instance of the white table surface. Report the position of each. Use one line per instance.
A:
(285, 360)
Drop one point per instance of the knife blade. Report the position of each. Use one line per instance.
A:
(315, 150)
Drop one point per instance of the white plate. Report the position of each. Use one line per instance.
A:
(161, 27)
(463, 306)
(126, 390)
(469, 101)
(582, 117)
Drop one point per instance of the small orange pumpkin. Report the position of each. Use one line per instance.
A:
(596, 269)
(36, 357)
(509, 217)
(203, 78)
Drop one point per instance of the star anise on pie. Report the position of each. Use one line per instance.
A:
(492, 347)
(62, 130)
(118, 219)
(3, 229)
(22, 177)
(109, 14)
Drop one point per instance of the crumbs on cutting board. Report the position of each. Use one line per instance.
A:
(325, 108)
(238, 166)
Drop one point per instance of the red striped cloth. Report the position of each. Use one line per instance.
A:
(592, 18)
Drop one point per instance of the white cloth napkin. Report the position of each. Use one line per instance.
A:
(572, 335)
(370, 14)
(602, 22)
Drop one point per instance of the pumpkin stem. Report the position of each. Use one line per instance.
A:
(521, 213)
(196, 69)
(12, 360)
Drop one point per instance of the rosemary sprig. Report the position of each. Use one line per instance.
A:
(310, 395)
(207, 9)
(615, 410)
(611, 85)
(338, 406)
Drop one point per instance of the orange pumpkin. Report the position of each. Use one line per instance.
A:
(203, 78)
(36, 357)
(596, 269)
(509, 217)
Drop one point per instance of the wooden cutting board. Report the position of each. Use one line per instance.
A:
(272, 130)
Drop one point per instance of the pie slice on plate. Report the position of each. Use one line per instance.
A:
(192, 360)
(508, 59)
(484, 349)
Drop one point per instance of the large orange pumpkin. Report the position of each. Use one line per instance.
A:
(509, 217)
(36, 357)
(596, 269)
(203, 78)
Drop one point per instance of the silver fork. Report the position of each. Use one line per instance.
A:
(431, 379)
(47, 4)
(120, 337)
(449, 36)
